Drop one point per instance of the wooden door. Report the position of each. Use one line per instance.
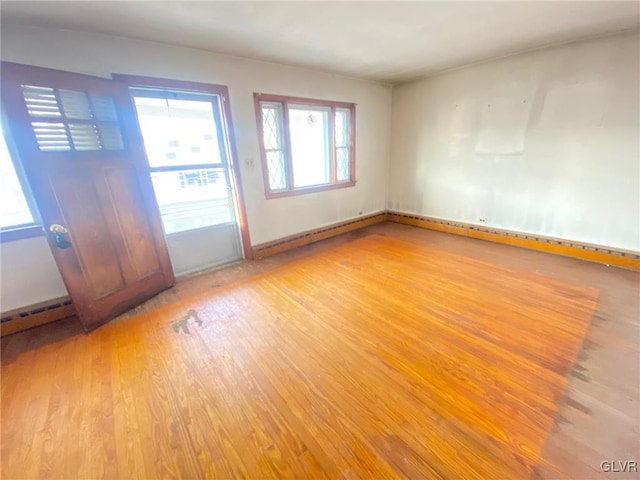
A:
(80, 147)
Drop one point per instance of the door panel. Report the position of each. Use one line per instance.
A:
(88, 232)
(82, 154)
(131, 222)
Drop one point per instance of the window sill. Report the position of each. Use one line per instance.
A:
(21, 233)
(315, 189)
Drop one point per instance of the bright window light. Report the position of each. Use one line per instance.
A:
(306, 145)
(185, 160)
(14, 209)
(310, 145)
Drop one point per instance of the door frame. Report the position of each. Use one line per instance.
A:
(138, 81)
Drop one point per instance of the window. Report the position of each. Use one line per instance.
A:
(306, 145)
(15, 211)
(184, 141)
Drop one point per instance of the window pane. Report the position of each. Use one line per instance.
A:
(111, 137)
(343, 127)
(342, 164)
(14, 209)
(104, 108)
(41, 101)
(75, 105)
(191, 199)
(51, 137)
(272, 125)
(275, 162)
(273, 144)
(84, 136)
(310, 146)
(178, 132)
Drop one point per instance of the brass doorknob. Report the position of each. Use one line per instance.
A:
(60, 235)
(56, 228)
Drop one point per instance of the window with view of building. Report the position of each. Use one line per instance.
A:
(306, 145)
(187, 160)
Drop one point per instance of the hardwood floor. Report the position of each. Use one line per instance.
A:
(391, 352)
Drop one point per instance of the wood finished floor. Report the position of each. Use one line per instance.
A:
(391, 352)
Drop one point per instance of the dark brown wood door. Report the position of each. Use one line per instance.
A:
(81, 150)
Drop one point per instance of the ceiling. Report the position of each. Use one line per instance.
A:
(388, 42)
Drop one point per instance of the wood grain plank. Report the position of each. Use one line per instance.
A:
(382, 357)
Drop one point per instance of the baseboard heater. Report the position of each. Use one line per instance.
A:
(35, 315)
(310, 236)
(585, 251)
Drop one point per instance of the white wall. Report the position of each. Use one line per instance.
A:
(102, 55)
(28, 274)
(545, 142)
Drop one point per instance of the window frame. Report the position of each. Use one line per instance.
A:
(162, 93)
(178, 94)
(144, 82)
(288, 162)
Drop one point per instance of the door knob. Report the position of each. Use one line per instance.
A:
(60, 235)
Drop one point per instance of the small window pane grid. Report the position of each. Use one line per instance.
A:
(342, 164)
(311, 155)
(273, 145)
(277, 173)
(343, 138)
(66, 120)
